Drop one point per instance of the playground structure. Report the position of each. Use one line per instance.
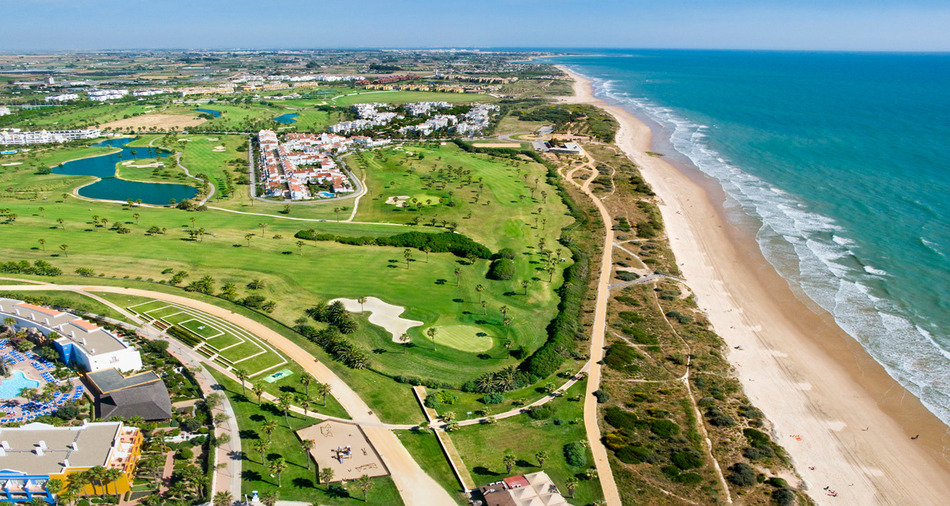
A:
(344, 448)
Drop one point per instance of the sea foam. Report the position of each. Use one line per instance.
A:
(814, 253)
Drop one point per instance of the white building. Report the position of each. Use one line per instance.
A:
(65, 97)
(4, 110)
(81, 342)
(16, 136)
(103, 95)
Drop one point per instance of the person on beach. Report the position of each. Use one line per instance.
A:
(915, 437)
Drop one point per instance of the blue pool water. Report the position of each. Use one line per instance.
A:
(216, 114)
(10, 387)
(327, 195)
(840, 160)
(110, 187)
(286, 118)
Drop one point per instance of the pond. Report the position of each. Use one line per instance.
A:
(286, 118)
(216, 114)
(110, 187)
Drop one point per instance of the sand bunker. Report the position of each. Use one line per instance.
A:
(383, 314)
(397, 201)
(12, 164)
(159, 121)
(211, 138)
(218, 149)
(131, 163)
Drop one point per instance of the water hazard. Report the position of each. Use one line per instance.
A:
(110, 187)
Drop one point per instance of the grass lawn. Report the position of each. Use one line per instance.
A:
(69, 117)
(483, 447)
(405, 97)
(426, 451)
(464, 337)
(298, 482)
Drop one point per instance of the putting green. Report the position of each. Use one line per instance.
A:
(463, 337)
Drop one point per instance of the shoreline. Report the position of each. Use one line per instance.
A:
(806, 374)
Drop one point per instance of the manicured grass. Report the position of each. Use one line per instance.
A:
(483, 447)
(68, 117)
(298, 482)
(405, 97)
(426, 451)
(464, 338)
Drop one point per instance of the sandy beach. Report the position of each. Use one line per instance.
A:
(832, 406)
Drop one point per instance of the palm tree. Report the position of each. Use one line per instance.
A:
(541, 456)
(431, 333)
(65, 248)
(324, 390)
(268, 428)
(571, 484)
(405, 340)
(326, 476)
(242, 375)
(262, 226)
(300, 247)
(364, 483)
(247, 237)
(524, 284)
(306, 380)
(258, 391)
(277, 466)
(427, 250)
(361, 300)
(223, 498)
(504, 311)
(60, 221)
(458, 276)
(42, 244)
(509, 461)
(284, 402)
(136, 216)
(479, 289)
(112, 476)
(307, 445)
(407, 253)
(508, 321)
(336, 210)
(261, 446)
(485, 307)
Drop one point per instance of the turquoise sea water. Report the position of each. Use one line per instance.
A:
(843, 163)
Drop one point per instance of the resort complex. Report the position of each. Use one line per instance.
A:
(33, 455)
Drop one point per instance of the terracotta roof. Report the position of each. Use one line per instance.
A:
(40, 309)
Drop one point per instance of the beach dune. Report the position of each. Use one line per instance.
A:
(846, 424)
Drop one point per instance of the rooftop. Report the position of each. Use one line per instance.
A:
(38, 448)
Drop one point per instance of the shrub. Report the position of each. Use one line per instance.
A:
(688, 478)
(634, 454)
(619, 356)
(67, 412)
(502, 269)
(575, 454)
(741, 474)
(784, 496)
(620, 418)
(506, 253)
(541, 412)
(601, 396)
(664, 428)
(627, 276)
(494, 398)
(687, 459)
(777, 482)
(184, 454)
(432, 401)
(762, 453)
(722, 421)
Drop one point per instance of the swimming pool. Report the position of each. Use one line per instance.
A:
(327, 195)
(10, 387)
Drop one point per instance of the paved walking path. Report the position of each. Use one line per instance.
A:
(598, 330)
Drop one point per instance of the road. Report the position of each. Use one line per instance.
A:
(414, 485)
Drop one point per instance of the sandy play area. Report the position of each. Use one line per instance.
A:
(344, 448)
(159, 121)
(383, 314)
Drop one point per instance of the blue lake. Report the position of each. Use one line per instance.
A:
(286, 118)
(110, 187)
(216, 114)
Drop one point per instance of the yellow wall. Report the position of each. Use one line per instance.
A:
(120, 486)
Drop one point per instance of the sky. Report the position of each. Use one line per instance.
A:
(844, 25)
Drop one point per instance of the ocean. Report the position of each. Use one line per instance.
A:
(841, 162)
